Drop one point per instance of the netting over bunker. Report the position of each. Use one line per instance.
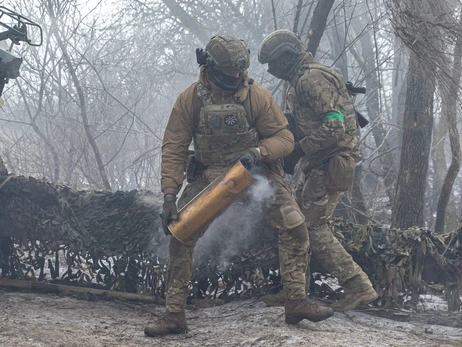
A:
(114, 241)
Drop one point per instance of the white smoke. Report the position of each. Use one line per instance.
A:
(261, 192)
(231, 232)
(158, 242)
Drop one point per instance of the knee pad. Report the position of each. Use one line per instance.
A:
(295, 239)
(292, 216)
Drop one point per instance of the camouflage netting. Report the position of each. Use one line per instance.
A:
(115, 241)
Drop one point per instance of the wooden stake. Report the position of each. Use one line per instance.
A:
(70, 290)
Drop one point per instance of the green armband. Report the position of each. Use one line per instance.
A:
(334, 115)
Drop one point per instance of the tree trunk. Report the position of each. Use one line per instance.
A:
(450, 99)
(338, 44)
(318, 25)
(417, 130)
(357, 199)
(188, 21)
(373, 111)
(398, 100)
(439, 161)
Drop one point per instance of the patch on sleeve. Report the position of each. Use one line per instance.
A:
(335, 115)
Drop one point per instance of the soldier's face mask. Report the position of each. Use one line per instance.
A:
(232, 74)
(228, 81)
(282, 66)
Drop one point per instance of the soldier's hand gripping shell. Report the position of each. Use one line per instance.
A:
(250, 158)
(169, 212)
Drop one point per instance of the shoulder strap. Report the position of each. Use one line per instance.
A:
(247, 104)
(197, 105)
(204, 93)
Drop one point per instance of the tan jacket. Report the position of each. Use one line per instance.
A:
(262, 111)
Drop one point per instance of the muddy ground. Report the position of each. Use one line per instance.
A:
(36, 319)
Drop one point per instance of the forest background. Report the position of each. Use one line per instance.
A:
(91, 105)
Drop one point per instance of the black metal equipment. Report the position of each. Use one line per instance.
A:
(352, 90)
(18, 29)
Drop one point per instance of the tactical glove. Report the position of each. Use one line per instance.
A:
(169, 212)
(250, 158)
(292, 159)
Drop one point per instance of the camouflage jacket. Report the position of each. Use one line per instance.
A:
(261, 109)
(324, 115)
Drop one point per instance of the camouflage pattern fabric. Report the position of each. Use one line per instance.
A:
(114, 240)
(313, 197)
(228, 54)
(318, 91)
(223, 131)
(262, 113)
(280, 212)
(318, 204)
(326, 125)
(330, 253)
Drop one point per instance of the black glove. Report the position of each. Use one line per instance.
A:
(169, 212)
(292, 159)
(250, 158)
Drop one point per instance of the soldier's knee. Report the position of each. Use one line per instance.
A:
(292, 216)
(300, 233)
(295, 237)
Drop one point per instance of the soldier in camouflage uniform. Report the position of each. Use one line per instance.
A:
(228, 116)
(326, 126)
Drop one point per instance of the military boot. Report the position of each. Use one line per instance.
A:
(169, 323)
(296, 310)
(357, 291)
(274, 300)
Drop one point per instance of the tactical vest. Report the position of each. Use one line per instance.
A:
(306, 121)
(222, 131)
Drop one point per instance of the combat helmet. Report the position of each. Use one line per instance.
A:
(279, 42)
(227, 58)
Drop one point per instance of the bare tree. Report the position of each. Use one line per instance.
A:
(426, 55)
(81, 97)
(450, 100)
(94, 117)
(318, 24)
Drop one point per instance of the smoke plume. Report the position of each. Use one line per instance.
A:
(232, 232)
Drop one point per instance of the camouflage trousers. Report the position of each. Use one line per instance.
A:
(318, 203)
(282, 213)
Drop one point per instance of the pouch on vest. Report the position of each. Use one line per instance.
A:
(340, 173)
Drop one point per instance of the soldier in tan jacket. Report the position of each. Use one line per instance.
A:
(327, 147)
(228, 116)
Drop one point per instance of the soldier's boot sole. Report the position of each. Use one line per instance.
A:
(352, 300)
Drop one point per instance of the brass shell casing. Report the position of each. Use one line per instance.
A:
(210, 202)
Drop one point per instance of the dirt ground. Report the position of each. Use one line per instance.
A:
(36, 319)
